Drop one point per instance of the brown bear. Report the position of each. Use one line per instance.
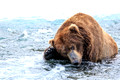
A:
(81, 38)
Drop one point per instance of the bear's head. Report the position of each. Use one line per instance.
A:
(69, 43)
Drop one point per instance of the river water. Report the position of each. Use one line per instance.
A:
(23, 40)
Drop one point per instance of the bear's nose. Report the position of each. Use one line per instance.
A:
(75, 62)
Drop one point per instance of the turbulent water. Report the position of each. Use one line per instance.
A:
(22, 42)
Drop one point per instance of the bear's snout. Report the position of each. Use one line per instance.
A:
(75, 57)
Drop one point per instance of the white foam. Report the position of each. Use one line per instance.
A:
(9, 29)
(25, 33)
(58, 68)
(54, 72)
(44, 30)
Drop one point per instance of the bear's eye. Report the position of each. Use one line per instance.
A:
(65, 53)
(72, 48)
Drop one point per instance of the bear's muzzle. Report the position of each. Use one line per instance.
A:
(75, 57)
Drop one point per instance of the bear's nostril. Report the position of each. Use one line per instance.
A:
(75, 62)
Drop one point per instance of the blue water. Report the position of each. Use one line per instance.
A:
(22, 42)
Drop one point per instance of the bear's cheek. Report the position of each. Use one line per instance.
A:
(64, 55)
(62, 52)
(60, 48)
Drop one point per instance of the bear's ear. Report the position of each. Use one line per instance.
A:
(73, 28)
(51, 42)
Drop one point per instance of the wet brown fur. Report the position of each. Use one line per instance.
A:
(90, 40)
